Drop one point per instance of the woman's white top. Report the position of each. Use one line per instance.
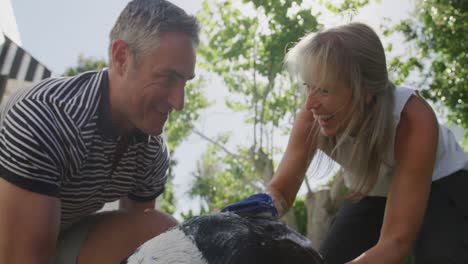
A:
(449, 159)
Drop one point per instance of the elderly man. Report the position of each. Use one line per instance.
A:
(70, 145)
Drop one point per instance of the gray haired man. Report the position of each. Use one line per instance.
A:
(70, 145)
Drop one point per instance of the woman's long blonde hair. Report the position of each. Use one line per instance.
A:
(352, 54)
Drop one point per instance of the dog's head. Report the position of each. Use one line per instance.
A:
(227, 238)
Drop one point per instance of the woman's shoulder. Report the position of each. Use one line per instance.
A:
(417, 109)
(401, 96)
(417, 117)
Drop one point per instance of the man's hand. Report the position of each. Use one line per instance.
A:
(259, 204)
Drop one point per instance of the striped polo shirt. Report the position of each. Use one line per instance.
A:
(57, 139)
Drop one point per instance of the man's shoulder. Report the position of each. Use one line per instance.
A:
(71, 100)
(69, 89)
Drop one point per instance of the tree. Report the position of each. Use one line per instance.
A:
(179, 125)
(438, 35)
(247, 51)
(221, 178)
(85, 64)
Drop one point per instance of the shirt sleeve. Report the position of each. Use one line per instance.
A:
(31, 156)
(155, 178)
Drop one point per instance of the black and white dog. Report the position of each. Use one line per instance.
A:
(227, 238)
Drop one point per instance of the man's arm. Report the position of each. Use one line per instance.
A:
(29, 225)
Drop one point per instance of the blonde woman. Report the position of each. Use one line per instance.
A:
(407, 175)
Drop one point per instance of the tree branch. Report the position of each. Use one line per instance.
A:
(216, 143)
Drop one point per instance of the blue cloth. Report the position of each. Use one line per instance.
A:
(257, 204)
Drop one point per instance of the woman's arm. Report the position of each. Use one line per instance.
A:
(415, 152)
(293, 166)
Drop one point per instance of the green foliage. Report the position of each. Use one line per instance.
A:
(300, 210)
(247, 51)
(346, 9)
(345, 6)
(438, 33)
(223, 179)
(188, 215)
(86, 64)
(168, 199)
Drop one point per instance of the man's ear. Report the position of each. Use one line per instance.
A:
(120, 56)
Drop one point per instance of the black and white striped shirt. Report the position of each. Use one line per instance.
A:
(57, 139)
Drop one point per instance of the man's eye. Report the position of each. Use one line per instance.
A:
(171, 79)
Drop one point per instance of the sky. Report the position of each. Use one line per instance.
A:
(56, 32)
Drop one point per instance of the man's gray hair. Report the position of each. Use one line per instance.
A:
(142, 21)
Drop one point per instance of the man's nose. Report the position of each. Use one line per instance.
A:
(177, 95)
